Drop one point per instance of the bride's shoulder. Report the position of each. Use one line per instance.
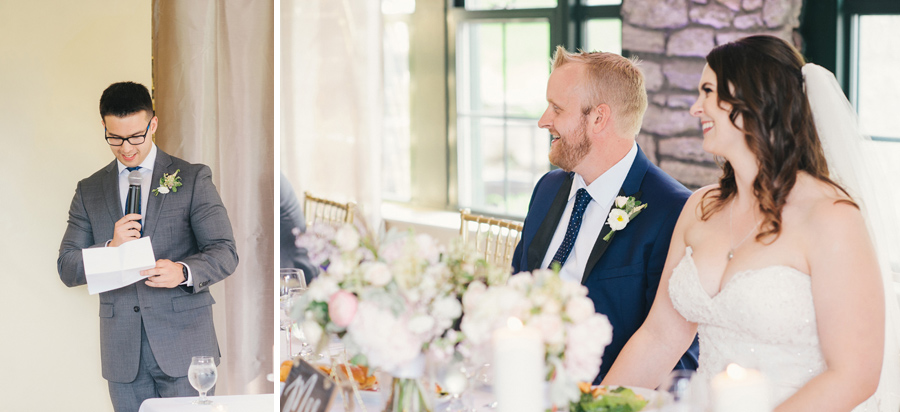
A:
(822, 203)
(703, 192)
(702, 195)
(693, 207)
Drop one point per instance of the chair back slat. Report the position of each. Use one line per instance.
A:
(494, 239)
(319, 209)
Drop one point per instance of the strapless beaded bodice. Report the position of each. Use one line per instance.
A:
(762, 319)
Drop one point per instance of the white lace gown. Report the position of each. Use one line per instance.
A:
(762, 319)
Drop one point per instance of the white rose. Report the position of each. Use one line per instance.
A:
(617, 219)
(551, 307)
(378, 274)
(447, 308)
(321, 289)
(473, 294)
(551, 328)
(163, 189)
(573, 289)
(420, 324)
(521, 282)
(312, 332)
(579, 309)
(620, 201)
(428, 248)
(347, 238)
(337, 268)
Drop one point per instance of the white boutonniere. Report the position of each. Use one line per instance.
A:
(625, 209)
(168, 183)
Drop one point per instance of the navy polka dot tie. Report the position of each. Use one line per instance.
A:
(582, 198)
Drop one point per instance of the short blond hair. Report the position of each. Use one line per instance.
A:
(611, 79)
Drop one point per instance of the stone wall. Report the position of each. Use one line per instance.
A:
(672, 38)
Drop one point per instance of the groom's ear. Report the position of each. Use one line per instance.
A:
(600, 118)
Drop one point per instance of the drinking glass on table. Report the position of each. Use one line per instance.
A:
(202, 375)
(453, 379)
(293, 284)
(685, 393)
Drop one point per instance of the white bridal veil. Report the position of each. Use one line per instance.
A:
(848, 153)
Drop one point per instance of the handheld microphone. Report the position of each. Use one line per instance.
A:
(133, 200)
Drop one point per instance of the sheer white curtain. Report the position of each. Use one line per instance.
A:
(331, 100)
(213, 78)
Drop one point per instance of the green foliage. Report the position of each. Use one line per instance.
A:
(617, 400)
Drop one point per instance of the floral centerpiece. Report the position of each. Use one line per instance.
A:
(390, 302)
(573, 334)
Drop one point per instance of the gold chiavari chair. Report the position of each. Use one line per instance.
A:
(317, 209)
(494, 239)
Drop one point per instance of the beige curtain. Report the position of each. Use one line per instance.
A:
(331, 100)
(213, 81)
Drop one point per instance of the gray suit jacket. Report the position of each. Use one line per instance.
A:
(189, 226)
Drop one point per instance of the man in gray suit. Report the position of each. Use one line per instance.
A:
(150, 330)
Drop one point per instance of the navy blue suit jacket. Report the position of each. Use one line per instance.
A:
(622, 275)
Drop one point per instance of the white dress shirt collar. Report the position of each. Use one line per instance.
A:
(148, 162)
(605, 188)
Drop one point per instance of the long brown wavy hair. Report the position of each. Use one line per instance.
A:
(765, 72)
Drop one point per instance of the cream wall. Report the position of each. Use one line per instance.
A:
(56, 57)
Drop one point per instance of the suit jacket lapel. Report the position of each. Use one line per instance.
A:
(110, 184)
(631, 187)
(544, 235)
(155, 204)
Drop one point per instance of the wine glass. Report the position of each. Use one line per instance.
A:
(292, 284)
(306, 350)
(685, 394)
(292, 278)
(453, 378)
(202, 375)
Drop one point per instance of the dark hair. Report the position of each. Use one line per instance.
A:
(125, 98)
(765, 73)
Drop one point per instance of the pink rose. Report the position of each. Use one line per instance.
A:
(342, 308)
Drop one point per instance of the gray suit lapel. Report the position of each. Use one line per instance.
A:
(110, 185)
(155, 204)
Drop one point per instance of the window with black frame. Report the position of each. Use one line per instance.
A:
(499, 62)
(857, 40)
(874, 87)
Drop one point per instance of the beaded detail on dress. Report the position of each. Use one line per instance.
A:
(762, 319)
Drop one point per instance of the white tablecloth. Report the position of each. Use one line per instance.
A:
(230, 403)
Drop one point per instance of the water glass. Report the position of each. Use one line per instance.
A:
(202, 375)
(685, 393)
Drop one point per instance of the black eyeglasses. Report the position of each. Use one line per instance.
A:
(132, 140)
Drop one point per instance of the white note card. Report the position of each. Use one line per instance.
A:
(108, 268)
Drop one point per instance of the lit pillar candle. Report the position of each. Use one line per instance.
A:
(740, 390)
(518, 368)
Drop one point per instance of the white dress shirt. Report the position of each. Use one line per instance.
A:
(603, 193)
(146, 171)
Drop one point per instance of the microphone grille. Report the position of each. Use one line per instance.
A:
(135, 178)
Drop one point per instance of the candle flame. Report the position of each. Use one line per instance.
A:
(514, 323)
(735, 371)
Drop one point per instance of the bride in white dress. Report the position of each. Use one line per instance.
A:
(773, 266)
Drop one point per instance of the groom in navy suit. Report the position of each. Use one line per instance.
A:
(596, 102)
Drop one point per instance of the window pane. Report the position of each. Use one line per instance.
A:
(398, 6)
(396, 150)
(603, 35)
(508, 4)
(502, 71)
(879, 85)
(601, 3)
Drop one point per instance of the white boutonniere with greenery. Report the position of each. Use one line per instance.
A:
(625, 209)
(168, 183)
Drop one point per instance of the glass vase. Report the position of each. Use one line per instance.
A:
(410, 395)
